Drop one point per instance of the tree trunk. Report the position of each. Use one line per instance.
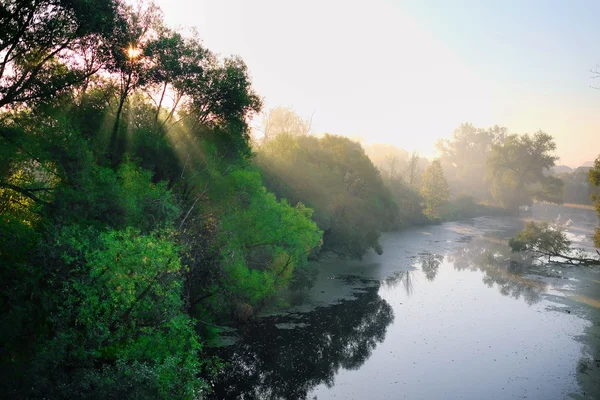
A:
(114, 136)
(162, 96)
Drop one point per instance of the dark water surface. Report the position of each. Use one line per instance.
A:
(447, 312)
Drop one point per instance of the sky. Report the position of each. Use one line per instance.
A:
(409, 72)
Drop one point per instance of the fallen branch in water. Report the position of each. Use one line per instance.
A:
(542, 240)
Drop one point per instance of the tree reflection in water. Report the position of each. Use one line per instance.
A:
(274, 363)
(400, 278)
(501, 267)
(430, 263)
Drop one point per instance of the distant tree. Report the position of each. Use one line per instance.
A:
(434, 188)
(395, 163)
(280, 120)
(413, 169)
(464, 157)
(577, 187)
(594, 176)
(392, 161)
(384, 156)
(517, 170)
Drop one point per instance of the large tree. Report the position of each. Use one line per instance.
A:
(464, 157)
(334, 176)
(518, 170)
(130, 58)
(49, 45)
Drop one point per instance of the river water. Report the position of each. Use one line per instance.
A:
(447, 312)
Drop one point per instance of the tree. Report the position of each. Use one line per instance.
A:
(334, 176)
(518, 170)
(434, 188)
(577, 187)
(594, 176)
(167, 54)
(413, 170)
(129, 58)
(539, 238)
(262, 241)
(222, 100)
(280, 120)
(43, 43)
(390, 160)
(225, 97)
(464, 157)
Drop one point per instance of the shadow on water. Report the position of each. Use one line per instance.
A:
(284, 357)
(509, 271)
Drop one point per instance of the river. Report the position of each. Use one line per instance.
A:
(447, 312)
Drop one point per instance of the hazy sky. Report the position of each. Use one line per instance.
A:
(409, 72)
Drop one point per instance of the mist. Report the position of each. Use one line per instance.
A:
(222, 200)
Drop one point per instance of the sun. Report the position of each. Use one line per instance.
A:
(133, 52)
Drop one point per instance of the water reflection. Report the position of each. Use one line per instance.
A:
(400, 278)
(501, 267)
(306, 350)
(430, 263)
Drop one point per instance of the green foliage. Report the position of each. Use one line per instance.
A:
(434, 189)
(542, 240)
(59, 311)
(119, 307)
(333, 176)
(517, 170)
(261, 240)
(578, 188)
(539, 237)
(108, 298)
(464, 207)
(146, 205)
(39, 40)
(100, 269)
(401, 173)
(594, 173)
(594, 176)
(409, 201)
